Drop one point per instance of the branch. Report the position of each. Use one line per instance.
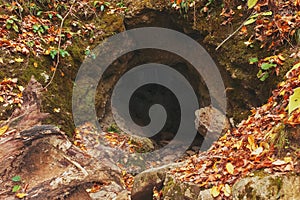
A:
(59, 45)
(232, 34)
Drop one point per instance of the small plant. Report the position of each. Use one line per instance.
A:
(40, 29)
(267, 65)
(63, 53)
(101, 5)
(254, 17)
(113, 128)
(16, 179)
(11, 22)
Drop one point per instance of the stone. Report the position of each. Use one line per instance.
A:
(147, 180)
(267, 187)
(211, 122)
(176, 190)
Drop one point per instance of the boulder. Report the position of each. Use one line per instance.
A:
(267, 187)
(176, 190)
(147, 180)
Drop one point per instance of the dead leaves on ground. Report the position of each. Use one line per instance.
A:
(255, 144)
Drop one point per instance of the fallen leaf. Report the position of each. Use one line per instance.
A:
(230, 168)
(278, 162)
(3, 129)
(21, 195)
(227, 190)
(215, 191)
(19, 60)
(294, 101)
(257, 151)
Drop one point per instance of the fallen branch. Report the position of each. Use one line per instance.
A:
(232, 34)
(59, 45)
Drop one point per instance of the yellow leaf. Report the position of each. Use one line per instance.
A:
(19, 60)
(251, 142)
(21, 88)
(287, 159)
(281, 57)
(1, 99)
(230, 168)
(294, 101)
(35, 64)
(215, 191)
(238, 144)
(21, 195)
(227, 190)
(3, 129)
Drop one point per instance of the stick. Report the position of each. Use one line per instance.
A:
(232, 34)
(59, 45)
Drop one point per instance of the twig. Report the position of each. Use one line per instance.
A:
(76, 165)
(288, 41)
(58, 48)
(232, 34)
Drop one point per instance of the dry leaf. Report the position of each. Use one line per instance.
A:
(257, 151)
(227, 190)
(230, 168)
(21, 195)
(215, 191)
(19, 60)
(3, 129)
(278, 162)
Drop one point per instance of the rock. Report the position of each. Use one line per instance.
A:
(205, 195)
(267, 187)
(175, 190)
(124, 195)
(211, 122)
(147, 180)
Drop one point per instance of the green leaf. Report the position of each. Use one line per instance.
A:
(266, 66)
(63, 53)
(264, 77)
(16, 178)
(250, 21)
(39, 13)
(95, 3)
(294, 102)
(16, 188)
(35, 28)
(10, 21)
(50, 16)
(102, 8)
(53, 53)
(253, 60)
(15, 27)
(251, 3)
(59, 16)
(8, 26)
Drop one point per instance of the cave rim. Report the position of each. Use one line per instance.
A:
(149, 36)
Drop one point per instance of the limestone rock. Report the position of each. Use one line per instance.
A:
(267, 187)
(147, 180)
(211, 122)
(175, 190)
